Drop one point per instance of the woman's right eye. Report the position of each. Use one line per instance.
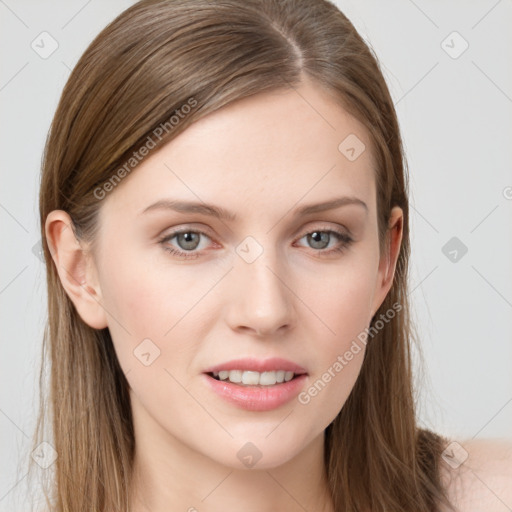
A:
(188, 240)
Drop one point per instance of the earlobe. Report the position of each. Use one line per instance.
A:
(75, 268)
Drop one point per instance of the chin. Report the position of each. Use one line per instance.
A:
(259, 451)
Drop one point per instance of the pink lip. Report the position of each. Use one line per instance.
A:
(257, 398)
(258, 365)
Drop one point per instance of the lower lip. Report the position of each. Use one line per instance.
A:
(257, 398)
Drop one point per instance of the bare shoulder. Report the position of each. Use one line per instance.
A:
(478, 474)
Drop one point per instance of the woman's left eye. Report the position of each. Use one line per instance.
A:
(189, 240)
(320, 237)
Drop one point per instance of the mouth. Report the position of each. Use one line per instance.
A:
(256, 384)
(249, 378)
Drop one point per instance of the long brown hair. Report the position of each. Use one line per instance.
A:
(134, 77)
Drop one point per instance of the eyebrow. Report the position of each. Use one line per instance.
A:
(223, 214)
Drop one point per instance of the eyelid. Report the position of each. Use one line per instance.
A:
(185, 228)
(338, 228)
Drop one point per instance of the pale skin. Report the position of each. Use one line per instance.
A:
(260, 158)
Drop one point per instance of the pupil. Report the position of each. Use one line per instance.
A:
(188, 238)
(319, 237)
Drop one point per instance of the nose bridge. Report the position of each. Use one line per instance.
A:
(263, 301)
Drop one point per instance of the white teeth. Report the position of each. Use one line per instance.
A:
(268, 378)
(251, 378)
(288, 376)
(235, 376)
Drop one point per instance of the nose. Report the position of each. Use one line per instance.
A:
(262, 301)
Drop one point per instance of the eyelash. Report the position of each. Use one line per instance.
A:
(344, 238)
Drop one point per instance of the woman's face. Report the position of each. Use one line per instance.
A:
(269, 282)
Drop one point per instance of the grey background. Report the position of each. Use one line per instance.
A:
(456, 121)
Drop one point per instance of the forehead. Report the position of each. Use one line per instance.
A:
(264, 153)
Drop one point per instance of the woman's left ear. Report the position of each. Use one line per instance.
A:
(389, 257)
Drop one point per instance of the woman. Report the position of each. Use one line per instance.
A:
(225, 215)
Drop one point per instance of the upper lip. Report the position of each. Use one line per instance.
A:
(258, 365)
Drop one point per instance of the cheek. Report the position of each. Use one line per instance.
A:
(151, 299)
(132, 297)
(341, 300)
(339, 350)
(342, 305)
(140, 293)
